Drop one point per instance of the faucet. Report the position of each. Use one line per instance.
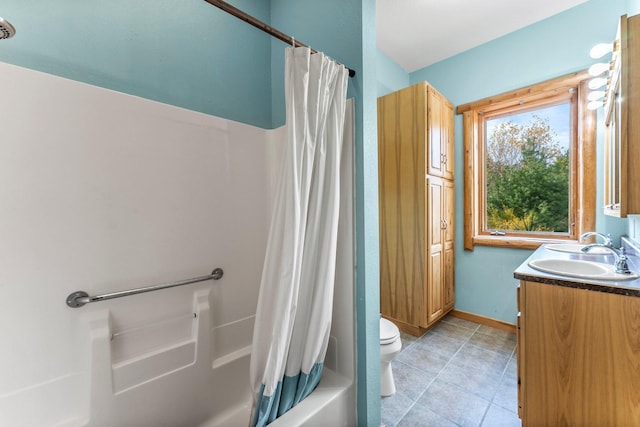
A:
(620, 265)
(607, 238)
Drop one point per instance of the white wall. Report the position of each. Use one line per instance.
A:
(101, 192)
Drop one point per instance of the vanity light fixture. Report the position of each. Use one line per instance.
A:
(597, 83)
(598, 69)
(594, 105)
(600, 50)
(596, 95)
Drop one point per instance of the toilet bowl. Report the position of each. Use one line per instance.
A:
(390, 346)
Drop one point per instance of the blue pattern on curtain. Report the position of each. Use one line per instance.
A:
(289, 393)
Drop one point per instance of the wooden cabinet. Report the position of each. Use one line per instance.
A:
(440, 233)
(440, 135)
(448, 278)
(578, 357)
(622, 121)
(416, 200)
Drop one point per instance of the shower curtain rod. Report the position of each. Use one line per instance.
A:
(262, 26)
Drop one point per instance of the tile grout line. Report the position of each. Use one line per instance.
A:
(501, 376)
(449, 361)
(504, 371)
(438, 374)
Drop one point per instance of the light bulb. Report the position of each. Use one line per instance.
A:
(594, 105)
(600, 50)
(596, 95)
(597, 83)
(598, 68)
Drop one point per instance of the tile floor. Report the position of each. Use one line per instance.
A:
(457, 374)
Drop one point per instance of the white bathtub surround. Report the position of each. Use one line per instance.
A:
(293, 318)
(102, 192)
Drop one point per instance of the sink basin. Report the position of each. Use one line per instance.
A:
(575, 248)
(579, 268)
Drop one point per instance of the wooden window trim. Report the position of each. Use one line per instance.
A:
(583, 175)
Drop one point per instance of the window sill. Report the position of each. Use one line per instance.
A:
(518, 242)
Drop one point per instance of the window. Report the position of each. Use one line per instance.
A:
(529, 165)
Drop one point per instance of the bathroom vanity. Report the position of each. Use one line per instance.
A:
(578, 345)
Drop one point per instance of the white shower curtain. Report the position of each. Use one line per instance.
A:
(293, 318)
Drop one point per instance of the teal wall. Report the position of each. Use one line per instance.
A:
(391, 76)
(368, 258)
(192, 55)
(547, 49)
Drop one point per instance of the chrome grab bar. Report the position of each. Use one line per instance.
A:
(79, 298)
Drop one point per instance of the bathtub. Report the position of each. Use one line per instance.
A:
(328, 405)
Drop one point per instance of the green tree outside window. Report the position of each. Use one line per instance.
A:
(527, 177)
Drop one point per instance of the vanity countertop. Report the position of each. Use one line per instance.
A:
(628, 287)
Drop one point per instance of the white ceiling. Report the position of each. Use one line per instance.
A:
(418, 33)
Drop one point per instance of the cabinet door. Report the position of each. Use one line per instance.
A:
(520, 353)
(447, 140)
(435, 156)
(435, 245)
(581, 352)
(448, 288)
(440, 141)
(448, 270)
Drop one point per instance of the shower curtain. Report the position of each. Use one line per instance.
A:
(293, 318)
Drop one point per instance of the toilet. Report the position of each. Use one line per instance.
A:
(390, 346)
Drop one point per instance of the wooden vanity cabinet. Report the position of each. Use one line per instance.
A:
(416, 207)
(578, 357)
(622, 123)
